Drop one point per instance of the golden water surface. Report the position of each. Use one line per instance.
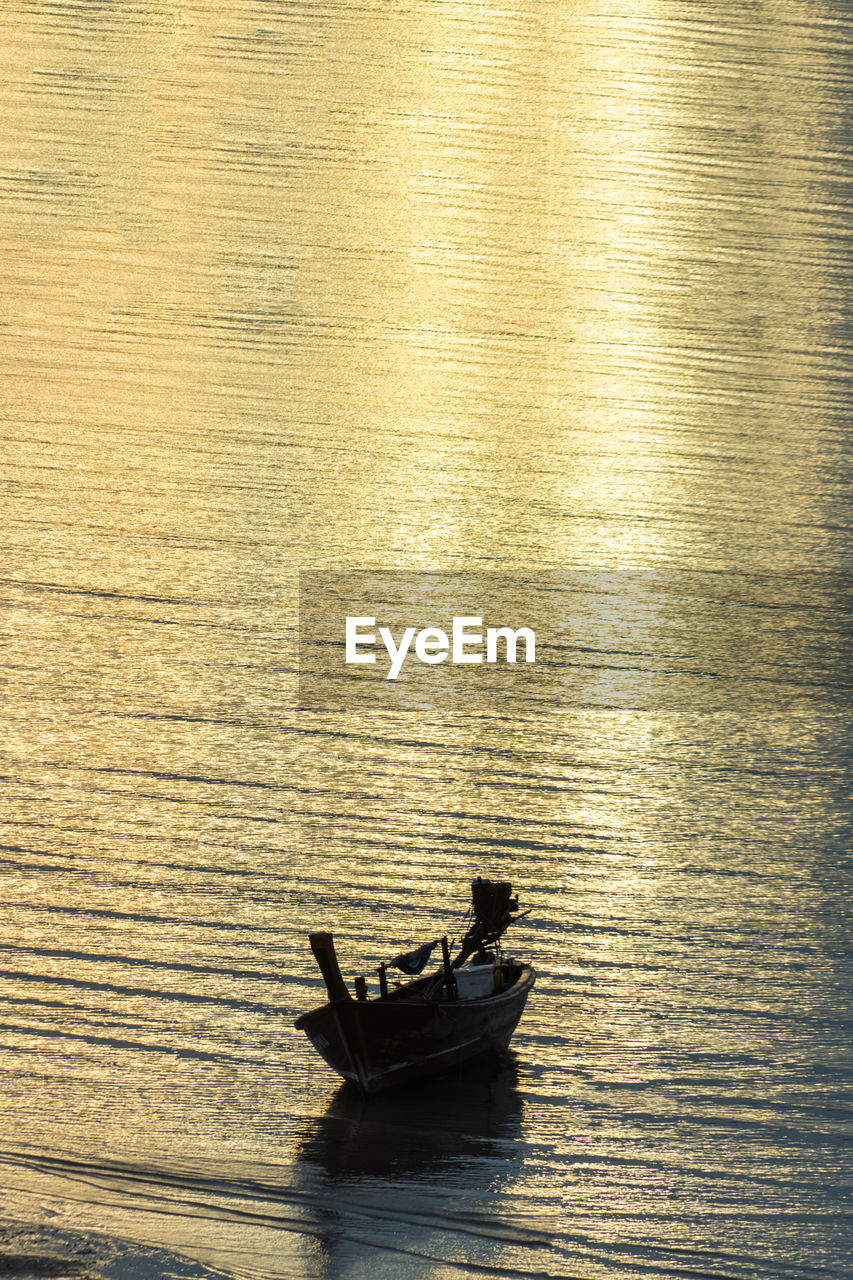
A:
(461, 286)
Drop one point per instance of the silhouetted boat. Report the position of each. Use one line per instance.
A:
(470, 1005)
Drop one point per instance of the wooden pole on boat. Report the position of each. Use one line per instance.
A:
(323, 946)
(383, 980)
(449, 977)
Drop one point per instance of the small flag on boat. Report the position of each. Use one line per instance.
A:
(414, 961)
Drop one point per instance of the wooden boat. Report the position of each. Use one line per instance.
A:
(470, 1005)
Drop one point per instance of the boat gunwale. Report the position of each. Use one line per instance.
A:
(394, 999)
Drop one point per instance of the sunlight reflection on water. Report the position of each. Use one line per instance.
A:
(510, 289)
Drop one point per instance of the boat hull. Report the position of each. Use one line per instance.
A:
(379, 1044)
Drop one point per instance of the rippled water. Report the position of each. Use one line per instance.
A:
(534, 288)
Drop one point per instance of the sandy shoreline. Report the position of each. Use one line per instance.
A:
(31, 1252)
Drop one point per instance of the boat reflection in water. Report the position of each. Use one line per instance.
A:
(422, 1174)
(457, 1121)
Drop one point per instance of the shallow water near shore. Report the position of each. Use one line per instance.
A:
(540, 292)
(41, 1251)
